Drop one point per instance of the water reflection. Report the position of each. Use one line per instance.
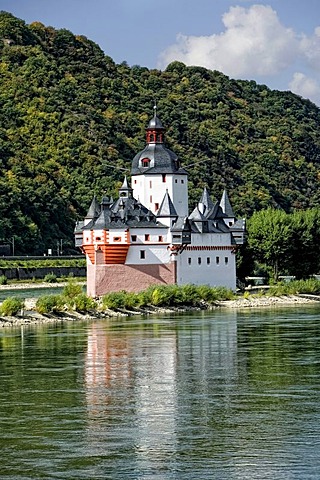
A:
(224, 396)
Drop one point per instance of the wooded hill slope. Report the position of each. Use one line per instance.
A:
(71, 121)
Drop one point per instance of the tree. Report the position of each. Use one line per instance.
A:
(269, 235)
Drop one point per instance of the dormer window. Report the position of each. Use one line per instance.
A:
(145, 162)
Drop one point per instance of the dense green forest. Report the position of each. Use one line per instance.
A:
(71, 121)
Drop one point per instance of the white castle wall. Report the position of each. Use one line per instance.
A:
(150, 190)
(208, 261)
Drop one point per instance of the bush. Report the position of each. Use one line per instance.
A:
(294, 287)
(11, 306)
(50, 278)
(49, 303)
(3, 280)
(72, 289)
(116, 300)
(82, 303)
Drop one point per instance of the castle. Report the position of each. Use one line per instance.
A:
(149, 237)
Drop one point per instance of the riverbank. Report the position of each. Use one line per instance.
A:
(29, 316)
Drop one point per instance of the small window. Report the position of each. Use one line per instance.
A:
(164, 178)
(147, 237)
(150, 184)
(199, 260)
(98, 238)
(156, 206)
(142, 254)
(226, 260)
(217, 260)
(230, 224)
(117, 239)
(160, 238)
(135, 182)
(145, 162)
(151, 137)
(133, 238)
(150, 198)
(176, 181)
(208, 260)
(189, 261)
(182, 181)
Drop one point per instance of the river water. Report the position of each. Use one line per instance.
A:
(223, 395)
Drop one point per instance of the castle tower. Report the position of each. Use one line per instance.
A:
(156, 172)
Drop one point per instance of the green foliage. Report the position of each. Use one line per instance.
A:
(11, 306)
(120, 300)
(49, 304)
(269, 232)
(48, 263)
(72, 120)
(81, 303)
(167, 296)
(50, 278)
(3, 280)
(286, 243)
(294, 287)
(72, 289)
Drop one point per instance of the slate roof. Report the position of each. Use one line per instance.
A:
(226, 205)
(167, 208)
(206, 200)
(123, 213)
(94, 209)
(162, 160)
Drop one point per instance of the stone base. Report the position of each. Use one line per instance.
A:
(103, 279)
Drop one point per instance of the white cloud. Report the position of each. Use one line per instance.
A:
(254, 43)
(305, 86)
(310, 49)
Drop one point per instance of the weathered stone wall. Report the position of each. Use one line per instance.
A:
(102, 279)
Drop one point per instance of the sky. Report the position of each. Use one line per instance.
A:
(275, 42)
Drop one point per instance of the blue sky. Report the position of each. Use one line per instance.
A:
(274, 42)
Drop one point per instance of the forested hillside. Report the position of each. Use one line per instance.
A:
(71, 121)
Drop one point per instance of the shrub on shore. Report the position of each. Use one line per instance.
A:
(11, 306)
(3, 280)
(49, 304)
(81, 303)
(294, 287)
(72, 289)
(167, 296)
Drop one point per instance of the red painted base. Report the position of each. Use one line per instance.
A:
(103, 279)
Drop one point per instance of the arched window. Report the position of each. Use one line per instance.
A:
(145, 162)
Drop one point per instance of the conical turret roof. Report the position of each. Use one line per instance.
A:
(226, 205)
(167, 208)
(94, 209)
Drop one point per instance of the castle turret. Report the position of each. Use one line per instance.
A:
(156, 170)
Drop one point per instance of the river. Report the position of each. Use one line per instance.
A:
(222, 395)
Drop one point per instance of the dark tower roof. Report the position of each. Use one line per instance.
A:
(94, 209)
(156, 157)
(167, 208)
(226, 205)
